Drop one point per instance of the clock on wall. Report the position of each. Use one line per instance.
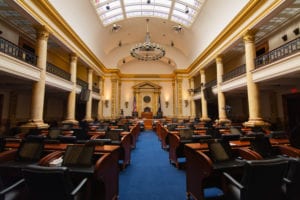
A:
(147, 99)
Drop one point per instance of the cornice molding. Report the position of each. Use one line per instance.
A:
(231, 28)
(55, 18)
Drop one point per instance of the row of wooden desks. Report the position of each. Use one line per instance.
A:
(236, 144)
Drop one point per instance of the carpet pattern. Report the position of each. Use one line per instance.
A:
(150, 176)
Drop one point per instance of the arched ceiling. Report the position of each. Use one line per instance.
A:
(182, 43)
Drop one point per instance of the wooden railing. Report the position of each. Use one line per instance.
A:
(13, 50)
(58, 71)
(278, 53)
(234, 73)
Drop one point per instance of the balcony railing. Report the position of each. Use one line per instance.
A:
(96, 90)
(82, 83)
(211, 83)
(197, 89)
(278, 53)
(13, 50)
(58, 71)
(234, 73)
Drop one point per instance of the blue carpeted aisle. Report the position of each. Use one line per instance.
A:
(150, 176)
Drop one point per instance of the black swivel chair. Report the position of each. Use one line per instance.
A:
(114, 135)
(261, 180)
(292, 180)
(50, 183)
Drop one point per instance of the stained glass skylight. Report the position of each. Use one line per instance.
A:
(182, 12)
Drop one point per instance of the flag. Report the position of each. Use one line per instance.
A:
(134, 104)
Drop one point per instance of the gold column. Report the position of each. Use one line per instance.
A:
(114, 83)
(174, 98)
(252, 88)
(192, 102)
(100, 104)
(88, 112)
(221, 97)
(204, 116)
(119, 99)
(38, 90)
(72, 95)
(179, 97)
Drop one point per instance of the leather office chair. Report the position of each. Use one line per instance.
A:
(204, 168)
(50, 183)
(114, 135)
(262, 179)
(292, 180)
(262, 145)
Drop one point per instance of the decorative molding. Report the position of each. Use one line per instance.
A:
(19, 68)
(58, 82)
(237, 82)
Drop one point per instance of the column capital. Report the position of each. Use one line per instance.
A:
(73, 57)
(249, 36)
(90, 70)
(42, 33)
(202, 72)
(219, 58)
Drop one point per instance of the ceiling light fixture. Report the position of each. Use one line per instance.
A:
(147, 51)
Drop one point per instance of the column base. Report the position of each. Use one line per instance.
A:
(35, 124)
(70, 121)
(88, 119)
(205, 119)
(255, 123)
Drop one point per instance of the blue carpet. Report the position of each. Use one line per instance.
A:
(150, 176)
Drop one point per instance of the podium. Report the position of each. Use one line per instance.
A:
(147, 117)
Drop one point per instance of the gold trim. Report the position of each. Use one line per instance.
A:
(48, 10)
(242, 16)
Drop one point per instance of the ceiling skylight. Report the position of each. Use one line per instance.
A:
(180, 11)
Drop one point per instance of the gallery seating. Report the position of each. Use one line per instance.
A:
(261, 180)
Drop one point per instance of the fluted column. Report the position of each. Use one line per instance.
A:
(204, 116)
(221, 97)
(114, 87)
(38, 89)
(192, 102)
(72, 95)
(174, 98)
(252, 88)
(100, 103)
(88, 113)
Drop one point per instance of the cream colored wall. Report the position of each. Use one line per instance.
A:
(150, 67)
(234, 63)
(166, 95)
(276, 41)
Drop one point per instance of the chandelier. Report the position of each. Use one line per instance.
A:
(147, 51)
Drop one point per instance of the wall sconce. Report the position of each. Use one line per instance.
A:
(186, 103)
(284, 37)
(106, 103)
(126, 104)
(167, 104)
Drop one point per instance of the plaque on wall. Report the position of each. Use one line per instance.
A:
(147, 99)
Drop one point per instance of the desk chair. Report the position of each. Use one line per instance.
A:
(114, 135)
(292, 180)
(2, 144)
(50, 183)
(262, 179)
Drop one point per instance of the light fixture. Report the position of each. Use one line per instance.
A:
(167, 104)
(186, 11)
(147, 51)
(126, 104)
(107, 7)
(106, 103)
(186, 102)
(284, 37)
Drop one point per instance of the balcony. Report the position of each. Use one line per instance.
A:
(13, 50)
(58, 71)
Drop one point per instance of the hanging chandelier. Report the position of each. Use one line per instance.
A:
(147, 51)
